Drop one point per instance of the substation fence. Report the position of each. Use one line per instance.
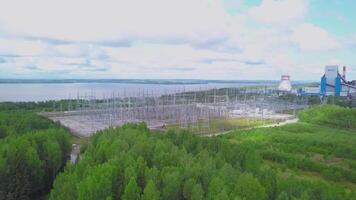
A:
(193, 110)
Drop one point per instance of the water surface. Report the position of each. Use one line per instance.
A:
(55, 91)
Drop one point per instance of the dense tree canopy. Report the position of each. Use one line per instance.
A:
(32, 151)
(311, 160)
(330, 115)
(141, 164)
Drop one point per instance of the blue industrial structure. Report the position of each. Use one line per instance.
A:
(334, 84)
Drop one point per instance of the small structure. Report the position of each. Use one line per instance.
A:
(285, 84)
(309, 91)
(74, 155)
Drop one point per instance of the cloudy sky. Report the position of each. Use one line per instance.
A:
(184, 39)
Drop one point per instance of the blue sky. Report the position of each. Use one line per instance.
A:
(185, 39)
(335, 16)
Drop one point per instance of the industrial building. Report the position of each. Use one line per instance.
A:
(332, 84)
(285, 84)
(335, 84)
(309, 91)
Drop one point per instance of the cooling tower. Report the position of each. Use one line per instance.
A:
(285, 84)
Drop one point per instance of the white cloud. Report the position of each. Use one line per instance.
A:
(156, 39)
(69, 50)
(15, 47)
(91, 51)
(167, 59)
(117, 20)
(279, 11)
(312, 38)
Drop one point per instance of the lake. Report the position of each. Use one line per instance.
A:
(25, 92)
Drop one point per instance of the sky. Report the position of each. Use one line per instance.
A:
(176, 39)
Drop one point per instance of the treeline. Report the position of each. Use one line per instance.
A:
(32, 152)
(132, 163)
(330, 115)
(49, 106)
(22, 122)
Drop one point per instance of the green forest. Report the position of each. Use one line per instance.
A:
(314, 159)
(291, 162)
(32, 152)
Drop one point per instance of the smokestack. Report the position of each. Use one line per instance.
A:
(344, 72)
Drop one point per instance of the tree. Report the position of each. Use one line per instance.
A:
(53, 161)
(64, 187)
(185, 167)
(305, 196)
(228, 174)
(140, 170)
(21, 170)
(150, 192)
(33, 150)
(223, 195)
(97, 184)
(197, 192)
(215, 187)
(171, 185)
(269, 181)
(238, 198)
(132, 191)
(130, 173)
(252, 160)
(152, 174)
(283, 196)
(2, 132)
(188, 187)
(249, 187)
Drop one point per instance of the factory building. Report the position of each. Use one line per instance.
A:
(285, 84)
(335, 84)
(309, 91)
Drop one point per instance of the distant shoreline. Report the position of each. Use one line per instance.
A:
(138, 81)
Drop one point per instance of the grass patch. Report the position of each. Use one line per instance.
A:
(221, 125)
(314, 149)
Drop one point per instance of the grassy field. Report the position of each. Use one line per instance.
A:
(316, 148)
(221, 125)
